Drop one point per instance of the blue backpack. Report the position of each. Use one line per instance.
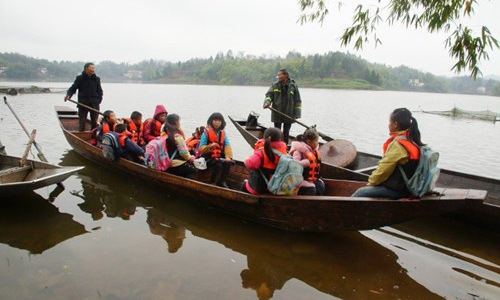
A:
(111, 148)
(424, 179)
(287, 177)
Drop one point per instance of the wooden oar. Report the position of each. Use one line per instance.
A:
(324, 136)
(22, 162)
(86, 106)
(40, 154)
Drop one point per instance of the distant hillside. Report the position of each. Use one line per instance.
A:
(330, 70)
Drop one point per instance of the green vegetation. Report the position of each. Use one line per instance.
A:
(331, 70)
(464, 45)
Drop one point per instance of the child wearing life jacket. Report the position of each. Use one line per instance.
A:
(215, 148)
(182, 161)
(107, 124)
(152, 127)
(131, 150)
(401, 149)
(136, 128)
(193, 141)
(305, 150)
(264, 161)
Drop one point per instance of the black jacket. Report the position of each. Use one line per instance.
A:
(89, 89)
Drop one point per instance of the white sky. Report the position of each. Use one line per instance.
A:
(131, 31)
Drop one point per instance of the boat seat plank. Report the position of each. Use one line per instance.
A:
(453, 194)
(477, 194)
(14, 174)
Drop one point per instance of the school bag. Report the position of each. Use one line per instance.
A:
(287, 177)
(156, 154)
(111, 148)
(426, 174)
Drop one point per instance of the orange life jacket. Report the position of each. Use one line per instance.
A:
(267, 163)
(212, 138)
(412, 149)
(123, 136)
(192, 143)
(136, 133)
(311, 173)
(106, 129)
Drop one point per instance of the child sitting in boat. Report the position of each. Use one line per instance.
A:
(264, 162)
(107, 124)
(131, 150)
(216, 149)
(401, 149)
(182, 161)
(305, 150)
(136, 128)
(193, 141)
(153, 126)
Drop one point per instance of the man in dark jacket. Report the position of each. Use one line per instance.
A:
(89, 93)
(284, 96)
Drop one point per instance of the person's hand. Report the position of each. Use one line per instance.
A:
(228, 159)
(267, 105)
(141, 158)
(66, 98)
(191, 160)
(369, 184)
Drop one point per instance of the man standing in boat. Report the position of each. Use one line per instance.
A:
(284, 96)
(89, 93)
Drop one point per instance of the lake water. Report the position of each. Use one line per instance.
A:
(110, 236)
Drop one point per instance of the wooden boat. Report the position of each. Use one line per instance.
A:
(487, 213)
(336, 210)
(15, 179)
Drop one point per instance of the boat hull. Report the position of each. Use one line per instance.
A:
(336, 211)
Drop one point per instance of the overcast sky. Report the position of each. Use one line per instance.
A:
(131, 31)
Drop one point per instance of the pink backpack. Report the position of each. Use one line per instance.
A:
(156, 155)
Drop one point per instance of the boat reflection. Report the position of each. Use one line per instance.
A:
(346, 265)
(32, 223)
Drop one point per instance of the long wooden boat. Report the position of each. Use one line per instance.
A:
(36, 174)
(487, 213)
(336, 210)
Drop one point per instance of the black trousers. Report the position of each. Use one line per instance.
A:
(185, 170)
(286, 130)
(82, 115)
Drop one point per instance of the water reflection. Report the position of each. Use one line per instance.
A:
(98, 198)
(173, 234)
(347, 265)
(32, 223)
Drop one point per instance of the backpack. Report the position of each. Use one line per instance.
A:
(426, 174)
(287, 177)
(111, 148)
(156, 154)
(252, 120)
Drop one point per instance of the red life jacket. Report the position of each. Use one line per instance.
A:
(311, 173)
(136, 133)
(212, 138)
(155, 126)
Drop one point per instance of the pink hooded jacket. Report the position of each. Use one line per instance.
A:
(298, 152)
(148, 136)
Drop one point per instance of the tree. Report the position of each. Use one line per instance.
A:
(466, 46)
